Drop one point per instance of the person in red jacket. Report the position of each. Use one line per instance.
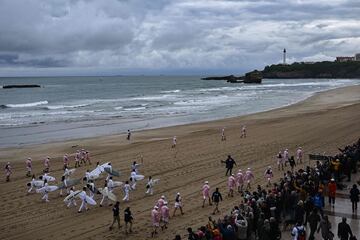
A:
(332, 192)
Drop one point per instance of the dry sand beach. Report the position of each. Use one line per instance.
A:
(319, 124)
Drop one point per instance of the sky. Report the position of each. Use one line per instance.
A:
(179, 37)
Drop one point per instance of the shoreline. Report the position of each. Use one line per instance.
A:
(104, 128)
(319, 124)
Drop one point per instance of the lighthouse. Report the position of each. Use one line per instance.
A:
(284, 56)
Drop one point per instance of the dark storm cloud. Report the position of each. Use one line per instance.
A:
(172, 34)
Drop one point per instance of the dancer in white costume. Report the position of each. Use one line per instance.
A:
(299, 155)
(28, 167)
(268, 175)
(64, 181)
(46, 194)
(240, 180)
(91, 186)
(231, 185)
(248, 178)
(82, 196)
(133, 179)
(135, 166)
(105, 198)
(150, 186)
(110, 184)
(127, 189)
(206, 193)
(72, 201)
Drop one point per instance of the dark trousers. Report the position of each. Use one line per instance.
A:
(228, 170)
(354, 206)
(331, 200)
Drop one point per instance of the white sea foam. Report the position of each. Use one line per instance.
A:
(24, 105)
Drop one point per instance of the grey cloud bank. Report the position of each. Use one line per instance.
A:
(88, 37)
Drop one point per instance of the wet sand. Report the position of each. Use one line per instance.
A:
(319, 124)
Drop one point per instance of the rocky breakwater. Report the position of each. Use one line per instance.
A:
(250, 77)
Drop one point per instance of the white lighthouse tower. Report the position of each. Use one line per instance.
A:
(284, 56)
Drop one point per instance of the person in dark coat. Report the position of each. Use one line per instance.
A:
(344, 230)
(354, 197)
(229, 164)
(314, 220)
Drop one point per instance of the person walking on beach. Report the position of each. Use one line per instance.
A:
(178, 204)
(116, 215)
(66, 161)
(216, 198)
(280, 161)
(155, 219)
(286, 157)
(28, 163)
(240, 180)
(47, 165)
(128, 218)
(354, 197)
(229, 164)
(268, 175)
(127, 189)
(344, 230)
(299, 155)
(128, 135)
(206, 193)
(332, 192)
(174, 142)
(243, 132)
(8, 171)
(223, 137)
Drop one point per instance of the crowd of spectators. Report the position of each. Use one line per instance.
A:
(294, 202)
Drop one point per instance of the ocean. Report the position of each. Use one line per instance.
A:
(77, 107)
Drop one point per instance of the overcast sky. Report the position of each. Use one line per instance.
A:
(88, 37)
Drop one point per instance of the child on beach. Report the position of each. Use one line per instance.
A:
(8, 171)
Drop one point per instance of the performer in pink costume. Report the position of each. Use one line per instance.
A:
(240, 180)
(231, 185)
(248, 177)
(206, 193)
(299, 155)
(28, 167)
(161, 202)
(165, 215)
(268, 175)
(155, 219)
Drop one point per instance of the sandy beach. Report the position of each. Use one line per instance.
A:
(319, 124)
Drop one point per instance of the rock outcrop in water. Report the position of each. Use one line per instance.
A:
(21, 86)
